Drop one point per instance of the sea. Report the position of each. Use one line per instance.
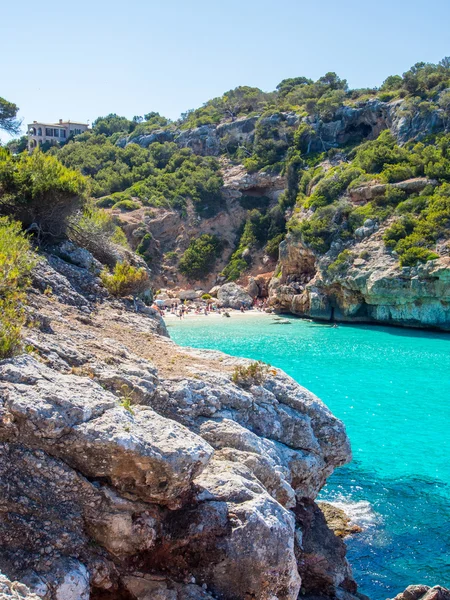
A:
(391, 388)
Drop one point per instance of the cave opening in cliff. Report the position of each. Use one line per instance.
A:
(358, 133)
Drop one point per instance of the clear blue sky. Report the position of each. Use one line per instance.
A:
(79, 60)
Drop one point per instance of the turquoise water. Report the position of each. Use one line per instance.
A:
(391, 387)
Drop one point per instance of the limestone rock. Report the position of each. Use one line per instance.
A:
(320, 555)
(120, 475)
(14, 590)
(337, 520)
(375, 289)
(75, 419)
(160, 588)
(424, 592)
(231, 295)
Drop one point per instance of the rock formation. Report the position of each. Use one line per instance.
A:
(132, 468)
(231, 295)
(372, 289)
(424, 592)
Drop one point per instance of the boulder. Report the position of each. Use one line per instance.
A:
(253, 288)
(337, 520)
(214, 290)
(188, 295)
(232, 295)
(424, 592)
(75, 419)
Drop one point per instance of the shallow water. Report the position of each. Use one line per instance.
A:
(391, 387)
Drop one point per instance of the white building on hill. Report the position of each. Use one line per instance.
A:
(55, 133)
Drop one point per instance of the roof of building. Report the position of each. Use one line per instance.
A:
(62, 124)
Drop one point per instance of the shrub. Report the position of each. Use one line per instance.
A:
(106, 202)
(255, 374)
(98, 232)
(236, 265)
(126, 205)
(126, 280)
(398, 230)
(199, 258)
(16, 263)
(341, 264)
(40, 192)
(415, 255)
(273, 245)
(144, 245)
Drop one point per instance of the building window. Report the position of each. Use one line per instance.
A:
(48, 131)
(63, 133)
(32, 131)
(56, 132)
(39, 131)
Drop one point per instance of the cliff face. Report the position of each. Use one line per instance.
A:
(350, 124)
(132, 468)
(172, 231)
(373, 288)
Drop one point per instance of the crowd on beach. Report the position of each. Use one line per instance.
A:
(181, 309)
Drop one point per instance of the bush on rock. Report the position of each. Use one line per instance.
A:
(126, 280)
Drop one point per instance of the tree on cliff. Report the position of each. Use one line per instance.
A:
(8, 116)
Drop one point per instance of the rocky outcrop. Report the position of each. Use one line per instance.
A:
(424, 592)
(365, 193)
(372, 288)
(231, 295)
(14, 590)
(349, 124)
(337, 520)
(354, 124)
(131, 468)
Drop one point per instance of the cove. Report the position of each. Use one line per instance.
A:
(391, 387)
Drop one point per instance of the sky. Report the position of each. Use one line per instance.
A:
(84, 59)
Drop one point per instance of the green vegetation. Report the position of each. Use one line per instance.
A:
(255, 374)
(125, 280)
(200, 256)
(16, 262)
(98, 232)
(341, 264)
(126, 205)
(161, 175)
(8, 117)
(241, 101)
(419, 219)
(260, 229)
(40, 192)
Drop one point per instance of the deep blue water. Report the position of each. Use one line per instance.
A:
(391, 387)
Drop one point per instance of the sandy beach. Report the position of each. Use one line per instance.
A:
(234, 314)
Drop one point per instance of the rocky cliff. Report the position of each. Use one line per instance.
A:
(135, 469)
(349, 124)
(372, 287)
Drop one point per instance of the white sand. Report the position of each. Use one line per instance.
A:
(214, 315)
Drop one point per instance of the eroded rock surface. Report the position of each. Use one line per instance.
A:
(132, 468)
(424, 592)
(371, 288)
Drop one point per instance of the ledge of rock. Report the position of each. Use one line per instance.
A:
(132, 468)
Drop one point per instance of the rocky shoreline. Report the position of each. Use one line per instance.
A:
(133, 469)
(136, 469)
(373, 289)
